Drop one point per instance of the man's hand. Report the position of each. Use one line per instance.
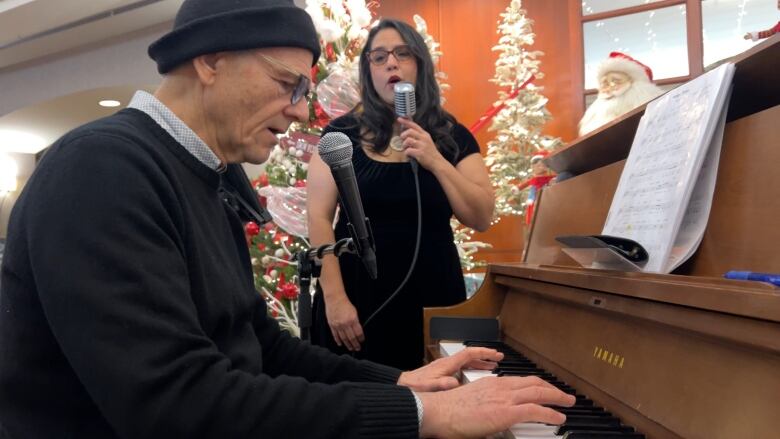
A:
(491, 405)
(439, 375)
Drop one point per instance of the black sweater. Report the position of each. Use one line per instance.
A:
(128, 310)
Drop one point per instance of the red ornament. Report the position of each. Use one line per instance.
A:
(288, 290)
(321, 118)
(262, 180)
(330, 54)
(300, 183)
(281, 236)
(251, 228)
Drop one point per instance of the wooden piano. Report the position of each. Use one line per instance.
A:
(686, 355)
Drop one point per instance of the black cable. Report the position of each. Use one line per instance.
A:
(413, 164)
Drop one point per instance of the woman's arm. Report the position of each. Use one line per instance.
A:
(321, 207)
(466, 185)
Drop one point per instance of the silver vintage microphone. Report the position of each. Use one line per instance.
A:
(405, 106)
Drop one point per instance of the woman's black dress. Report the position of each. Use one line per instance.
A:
(395, 335)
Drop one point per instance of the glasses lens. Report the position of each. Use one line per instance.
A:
(301, 89)
(403, 53)
(378, 56)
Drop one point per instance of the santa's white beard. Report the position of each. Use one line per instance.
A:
(602, 110)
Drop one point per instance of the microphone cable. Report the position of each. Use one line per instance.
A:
(413, 164)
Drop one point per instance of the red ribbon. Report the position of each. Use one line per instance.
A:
(491, 112)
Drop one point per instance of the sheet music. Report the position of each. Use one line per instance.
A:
(673, 138)
(697, 213)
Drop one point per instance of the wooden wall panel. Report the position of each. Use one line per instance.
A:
(467, 31)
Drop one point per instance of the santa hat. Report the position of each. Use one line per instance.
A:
(620, 62)
(539, 156)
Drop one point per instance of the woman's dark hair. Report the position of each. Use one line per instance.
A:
(376, 117)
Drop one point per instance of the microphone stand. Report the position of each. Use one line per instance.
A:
(309, 266)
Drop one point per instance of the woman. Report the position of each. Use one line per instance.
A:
(453, 179)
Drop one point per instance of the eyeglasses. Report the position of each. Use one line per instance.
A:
(301, 88)
(379, 57)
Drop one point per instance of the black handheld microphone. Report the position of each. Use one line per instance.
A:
(405, 106)
(336, 151)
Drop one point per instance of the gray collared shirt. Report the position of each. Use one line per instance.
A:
(171, 123)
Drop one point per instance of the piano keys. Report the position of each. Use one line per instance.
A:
(584, 420)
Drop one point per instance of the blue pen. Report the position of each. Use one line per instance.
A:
(773, 279)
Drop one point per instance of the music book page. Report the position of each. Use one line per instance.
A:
(667, 160)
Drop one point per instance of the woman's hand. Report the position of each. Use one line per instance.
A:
(343, 321)
(419, 145)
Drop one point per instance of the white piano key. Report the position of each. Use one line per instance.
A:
(530, 429)
(450, 348)
(472, 375)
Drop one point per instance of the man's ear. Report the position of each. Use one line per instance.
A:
(206, 67)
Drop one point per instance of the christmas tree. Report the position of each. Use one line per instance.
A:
(518, 124)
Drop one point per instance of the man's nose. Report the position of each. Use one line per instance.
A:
(298, 111)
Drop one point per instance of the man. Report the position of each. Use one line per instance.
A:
(624, 84)
(128, 308)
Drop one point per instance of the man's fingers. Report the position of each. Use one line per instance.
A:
(537, 413)
(520, 383)
(542, 395)
(473, 353)
(481, 364)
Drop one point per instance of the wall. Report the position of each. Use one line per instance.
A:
(467, 30)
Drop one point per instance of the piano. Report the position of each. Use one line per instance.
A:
(684, 355)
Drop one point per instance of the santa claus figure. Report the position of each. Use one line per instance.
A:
(755, 36)
(624, 84)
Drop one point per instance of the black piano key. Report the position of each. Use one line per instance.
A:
(582, 401)
(520, 370)
(513, 373)
(602, 435)
(516, 363)
(579, 419)
(562, 429)
(591, 411)
(486, 344)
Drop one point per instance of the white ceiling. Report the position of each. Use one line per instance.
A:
(37, 28)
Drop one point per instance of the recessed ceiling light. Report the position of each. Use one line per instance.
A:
(109, 103)
(19, 141)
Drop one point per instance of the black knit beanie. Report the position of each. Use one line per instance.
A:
(210, 26)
